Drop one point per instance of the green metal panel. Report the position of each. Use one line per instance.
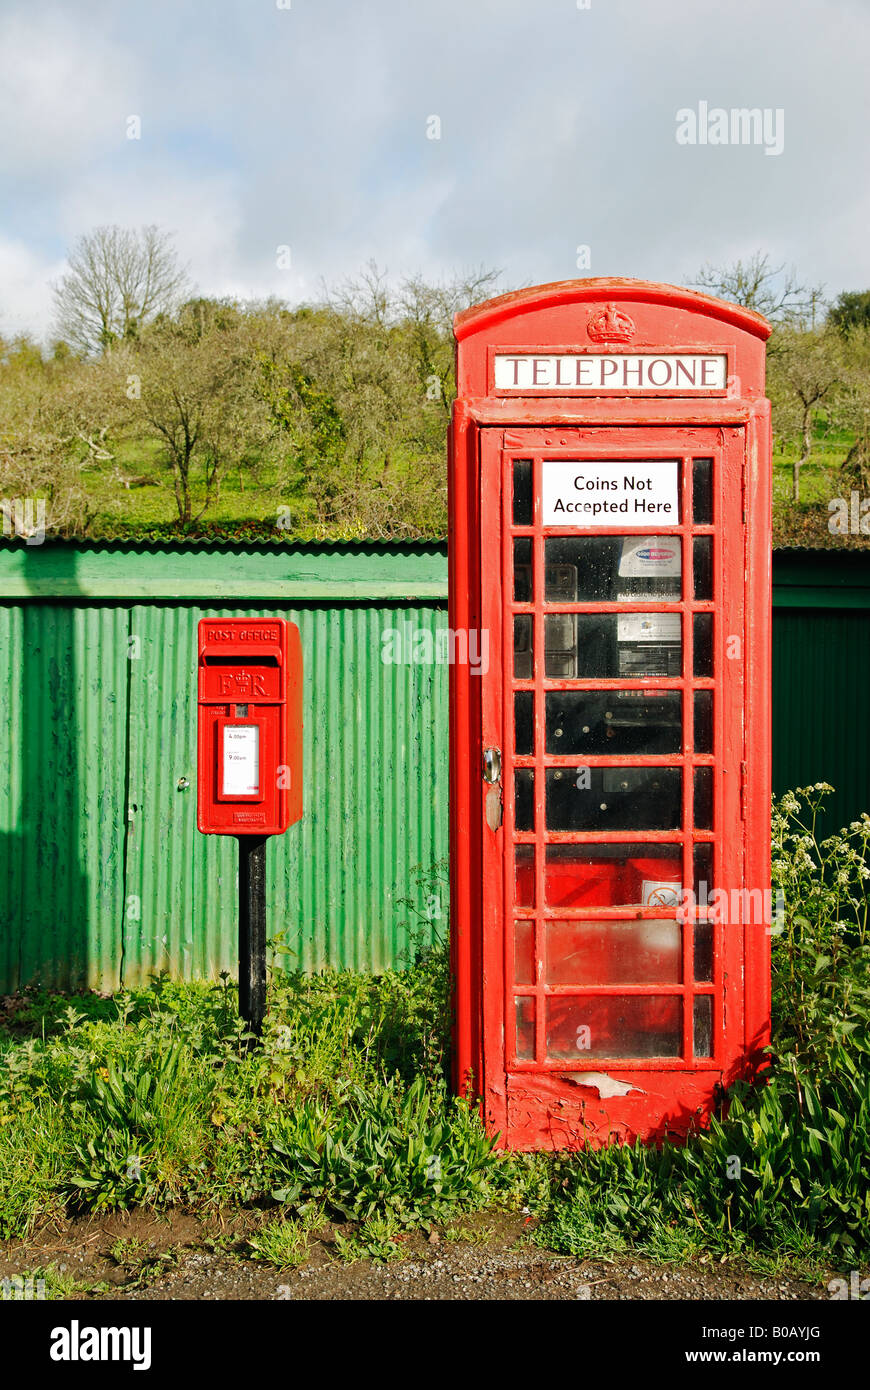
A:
(821, 666)
(821, 730)
(279, 571)
(375, 767)
(106, 877)
(821, 578)
(63, 703)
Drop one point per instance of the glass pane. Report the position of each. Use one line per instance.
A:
(703, 721)
(524, 953)
(525, 1014)
(703, 1021)
(702, 553)
(611, 645)
(524, 798)
(703, 855)
(523, 646)
(607, 569)
(646, 952)
(704, 952)
(632, 1026)
(523, 569)
(704, 798)
(613, 798)
(702, 492)
(640, 875)
(703, 644)
(524, 729)
(524, 860)
(619, 721)
(560, 583)
(522, 501)
(560, 644)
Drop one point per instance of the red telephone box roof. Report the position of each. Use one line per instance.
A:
(561, 292)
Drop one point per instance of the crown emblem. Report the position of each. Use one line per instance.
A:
(610, 325)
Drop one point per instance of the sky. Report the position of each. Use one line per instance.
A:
(432, 138)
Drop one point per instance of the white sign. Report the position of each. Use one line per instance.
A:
(673, 374)
(611, 493)
(241, 760)
(660, 893)
(648, 627)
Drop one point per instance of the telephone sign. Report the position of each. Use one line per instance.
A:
(610, 769)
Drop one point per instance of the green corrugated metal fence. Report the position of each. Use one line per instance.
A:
(821, 677)
(103, 875)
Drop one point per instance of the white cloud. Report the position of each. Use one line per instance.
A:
(65, 92)
(25, 289)
(307, 127)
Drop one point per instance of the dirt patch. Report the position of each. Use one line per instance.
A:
(179, 1256)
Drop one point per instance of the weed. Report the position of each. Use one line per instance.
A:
(148, 1270)
(468, 1235)
(128, 1251)
(45, 1282)
(283, 1243)
(379, 1238)
(801, 1139)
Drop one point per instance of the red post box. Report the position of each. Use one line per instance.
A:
(610, 763)
(250, 726)
(250, 766)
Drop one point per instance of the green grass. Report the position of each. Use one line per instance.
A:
(43, 1283)
(243, 497)
(806, 523)
(252, 502)
(282, 1242)
(152, 1097)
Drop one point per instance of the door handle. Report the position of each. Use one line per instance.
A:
(491, 765)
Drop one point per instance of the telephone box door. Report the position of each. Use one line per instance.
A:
(612, 587)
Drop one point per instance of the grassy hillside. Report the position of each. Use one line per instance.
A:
(249, 502)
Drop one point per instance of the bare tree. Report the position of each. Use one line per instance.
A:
(367, 298)
(773, 291)
(371, 298)
(195, 375)
(41, 449)
(434, 305)
(118, 280)
(853, 409)
(806, 372)
(427, 314)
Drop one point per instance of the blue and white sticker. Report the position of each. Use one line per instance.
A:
(650, 557)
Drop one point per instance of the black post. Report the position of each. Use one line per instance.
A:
(252, 931)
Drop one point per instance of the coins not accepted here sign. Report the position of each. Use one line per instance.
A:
(610, 493)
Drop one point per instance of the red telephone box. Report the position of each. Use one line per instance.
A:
(250, 726)
(610, 760)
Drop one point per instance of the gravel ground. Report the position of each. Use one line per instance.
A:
(181, 1257)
